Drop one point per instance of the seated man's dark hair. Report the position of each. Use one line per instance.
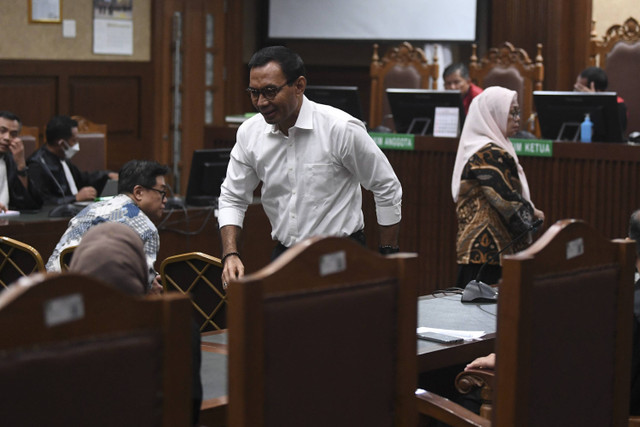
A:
(596, 75)
(459, 66)
(59, 127)
(10, 116)
(290, 62)
(139, 172)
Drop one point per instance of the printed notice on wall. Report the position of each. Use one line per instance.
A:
(113, 27)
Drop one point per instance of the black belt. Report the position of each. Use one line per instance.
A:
(358, 236)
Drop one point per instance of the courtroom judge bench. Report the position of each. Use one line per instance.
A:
(594, 182)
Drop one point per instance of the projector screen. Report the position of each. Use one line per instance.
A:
(437, 20)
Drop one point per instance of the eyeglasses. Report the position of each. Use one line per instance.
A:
(162, 193)
(269, 93)
(515, 113)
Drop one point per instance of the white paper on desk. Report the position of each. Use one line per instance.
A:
(445, 122)
(466, 335)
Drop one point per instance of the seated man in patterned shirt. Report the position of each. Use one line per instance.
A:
(141, 198)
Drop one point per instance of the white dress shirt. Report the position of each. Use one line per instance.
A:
(311, 179)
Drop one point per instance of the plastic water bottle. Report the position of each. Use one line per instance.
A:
(586, 128)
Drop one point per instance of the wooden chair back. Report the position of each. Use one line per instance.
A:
(17, 259)
(618, 53)
(93, 145)
(324, 335)
(65, 257)
(75, 351)
(564, 311)
(198, 276)
(563, 346)
(30, 136)
(402, 66)
(510, 67)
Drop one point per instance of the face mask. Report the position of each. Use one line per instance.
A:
(70, 151)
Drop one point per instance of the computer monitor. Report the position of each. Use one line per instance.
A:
(560, 115)
(208, 170)
(414, 110)
(345, 98)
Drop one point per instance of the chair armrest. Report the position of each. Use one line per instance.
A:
(439, 408)
(471, 378)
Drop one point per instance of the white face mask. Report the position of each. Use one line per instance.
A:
(70, 151)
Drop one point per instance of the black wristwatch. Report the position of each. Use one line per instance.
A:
(388, 249)
(23, 172)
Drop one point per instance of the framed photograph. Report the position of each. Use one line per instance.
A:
(47, 11)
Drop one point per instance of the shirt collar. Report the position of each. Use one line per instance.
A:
(304, 120)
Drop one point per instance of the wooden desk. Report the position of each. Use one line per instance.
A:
(193, 229)
(594, 182)
(446, 312)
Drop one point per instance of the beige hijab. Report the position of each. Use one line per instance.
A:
(113, 253)
(485, 123)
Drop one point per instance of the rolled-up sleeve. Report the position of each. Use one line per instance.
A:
(236, 192)
(372, 168)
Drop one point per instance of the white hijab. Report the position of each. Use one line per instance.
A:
(485, 123)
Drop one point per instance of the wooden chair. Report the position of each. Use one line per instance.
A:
(324, 336)
(198, 276)
(75, 351)
(510, 67)
(17, 259)
(29, 136)
(618, 53)
(564, 334)
(402, 66)
(93, 145)
(65, 257)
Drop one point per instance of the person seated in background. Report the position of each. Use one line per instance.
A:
(456, 77)
(58, 180)
(114, 253)
(594, 79)
(16, 190)
(141, 195)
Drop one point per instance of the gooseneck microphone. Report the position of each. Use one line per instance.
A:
(478, 291)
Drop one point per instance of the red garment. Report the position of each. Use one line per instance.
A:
(471, 93)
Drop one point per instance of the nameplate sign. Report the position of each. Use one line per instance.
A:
(394, 141)
(533, 147)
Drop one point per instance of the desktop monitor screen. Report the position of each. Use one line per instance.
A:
(414, 110)
(208, 170)
(560, 115)
(345, 98)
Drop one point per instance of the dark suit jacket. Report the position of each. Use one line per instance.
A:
(46, 172)
(19, 197)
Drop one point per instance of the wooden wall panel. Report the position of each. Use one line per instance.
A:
(32, 98)
(113, 93)
(563, 27)
(115, 101)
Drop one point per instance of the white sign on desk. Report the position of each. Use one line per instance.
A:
(446, 121)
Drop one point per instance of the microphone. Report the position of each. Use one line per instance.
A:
(478, 291)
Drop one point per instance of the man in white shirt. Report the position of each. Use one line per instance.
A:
(311, 160)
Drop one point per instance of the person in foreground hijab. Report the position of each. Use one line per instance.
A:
(489, 187)
(113, 253)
